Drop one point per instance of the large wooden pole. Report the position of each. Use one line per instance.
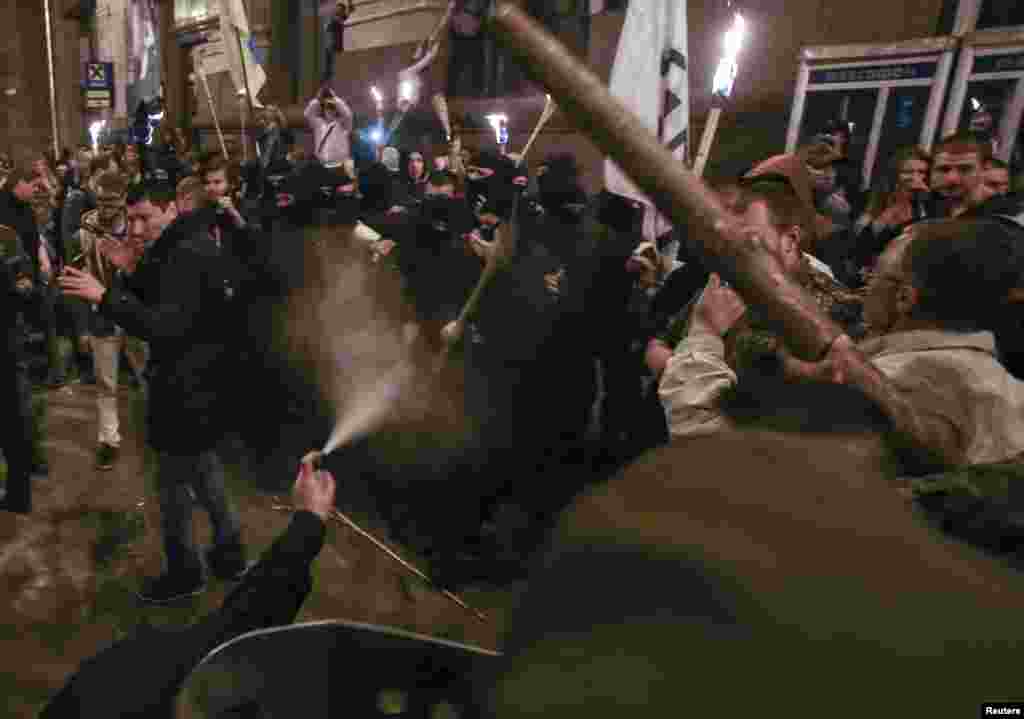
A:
(677, 192)
(51, 70)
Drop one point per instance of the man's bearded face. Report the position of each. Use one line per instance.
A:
(780, 241)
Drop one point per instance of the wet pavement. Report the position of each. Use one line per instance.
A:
(70, 569)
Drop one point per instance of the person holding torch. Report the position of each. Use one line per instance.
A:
(330, 120)
(499, 121)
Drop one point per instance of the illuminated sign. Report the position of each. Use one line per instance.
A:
(874, 73)
(99, 85)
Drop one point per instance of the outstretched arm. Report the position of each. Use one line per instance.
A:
(270, 595)
(313, 113)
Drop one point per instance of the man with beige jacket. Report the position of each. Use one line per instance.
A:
(107, 224)
(930, 303)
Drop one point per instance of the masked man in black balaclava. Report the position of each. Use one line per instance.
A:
(438, 273)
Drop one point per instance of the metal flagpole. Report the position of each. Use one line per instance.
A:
(245, 145)
(213, 110)
(245, 79)
(53, 86)
(245, 75)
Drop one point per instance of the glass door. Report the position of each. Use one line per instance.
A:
(888, 95)
(855, 108)
(902, 124)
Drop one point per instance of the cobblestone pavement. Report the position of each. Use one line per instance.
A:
(69, 569)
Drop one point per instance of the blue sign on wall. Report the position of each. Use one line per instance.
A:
(99, 76)
(874, 73)
(99, 85)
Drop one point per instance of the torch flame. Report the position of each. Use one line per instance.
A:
(406, 90)
(725, 74)
(497, 121)
(95, 129)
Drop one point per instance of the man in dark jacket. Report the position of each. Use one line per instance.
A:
(188, 298)
(16, 213)
(140, 676)
(19, 284)
(17, 290)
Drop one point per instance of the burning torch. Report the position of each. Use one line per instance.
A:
(721, 89)
(95, 130)
(376, 133)
(409, 87)
(499, 121)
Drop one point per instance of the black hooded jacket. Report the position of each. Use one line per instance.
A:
(190, 301)
(18, 216)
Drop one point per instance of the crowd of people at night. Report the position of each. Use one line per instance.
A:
(592, 346)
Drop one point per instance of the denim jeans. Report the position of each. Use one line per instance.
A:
(204, 474)
(106, 352)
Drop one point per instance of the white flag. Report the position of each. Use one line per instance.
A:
(650, 77)
(211, 57)
(234, 26)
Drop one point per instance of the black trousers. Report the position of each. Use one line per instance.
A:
(17, 433)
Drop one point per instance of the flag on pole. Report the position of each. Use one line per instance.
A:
(211, 57)
(235, 25)
(650, 77)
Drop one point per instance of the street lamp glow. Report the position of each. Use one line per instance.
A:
(725, 74)
(498, 122)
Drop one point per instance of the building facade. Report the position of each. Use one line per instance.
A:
(291, 40)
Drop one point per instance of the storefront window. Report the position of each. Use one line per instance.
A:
(187, 12)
